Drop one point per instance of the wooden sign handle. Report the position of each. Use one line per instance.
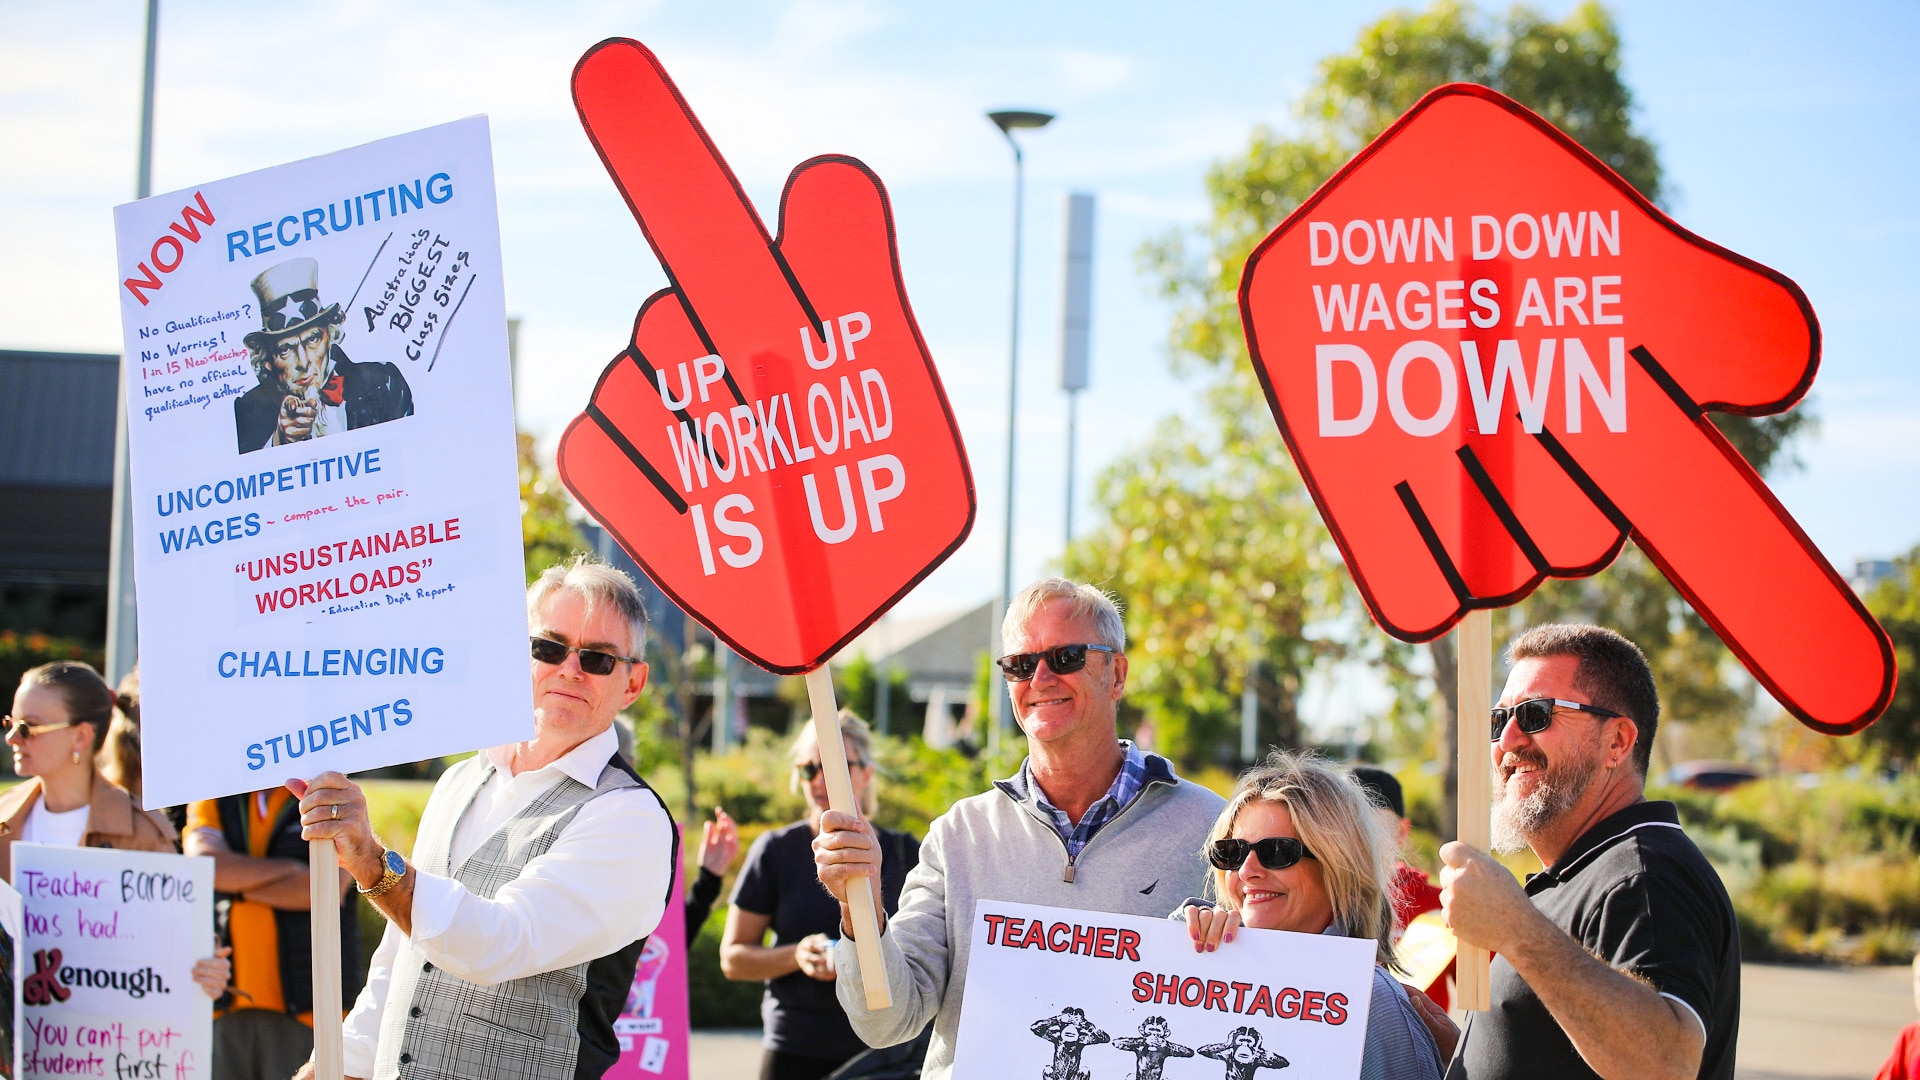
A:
(323, 867)
(833, 758)
(1473, 793)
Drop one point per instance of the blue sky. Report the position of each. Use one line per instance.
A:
(1788, 135)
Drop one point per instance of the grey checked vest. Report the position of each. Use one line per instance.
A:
(550, 1026)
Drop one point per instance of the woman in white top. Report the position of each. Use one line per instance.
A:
(59, 721)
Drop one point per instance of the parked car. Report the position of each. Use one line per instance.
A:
(1711, 775)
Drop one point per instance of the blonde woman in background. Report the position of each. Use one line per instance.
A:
(1299, 848)
(807, 1033)
(119, 756)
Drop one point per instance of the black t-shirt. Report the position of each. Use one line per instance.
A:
(802, 1015)
(1640, 896)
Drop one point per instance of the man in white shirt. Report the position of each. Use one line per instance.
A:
(538, 871)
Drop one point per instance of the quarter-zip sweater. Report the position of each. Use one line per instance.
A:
(1000, 845)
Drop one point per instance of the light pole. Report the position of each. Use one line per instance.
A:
(122, 639)
(1076, 324)
(1008, 120)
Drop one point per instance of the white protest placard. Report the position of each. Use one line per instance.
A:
(10, 956)
(111, 938)
(326, 516)
(1071, 995)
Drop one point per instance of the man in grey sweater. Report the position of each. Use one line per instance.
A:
(1089, 822)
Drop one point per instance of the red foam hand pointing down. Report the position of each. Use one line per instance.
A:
(774, 448)
(1491, 359)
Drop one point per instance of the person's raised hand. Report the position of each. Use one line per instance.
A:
(845, 853)
(214, 972)
(776, 410)
(334, 808)
(1211, 928)
(719, 843)
(1493, 361)
(1482, 902)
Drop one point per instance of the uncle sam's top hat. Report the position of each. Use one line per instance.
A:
(289, 301)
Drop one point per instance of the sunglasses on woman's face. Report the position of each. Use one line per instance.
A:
(1061, 659)
(811, 770)
(17, 728)
(1276, 852)
(592, 661)
(1534, 716)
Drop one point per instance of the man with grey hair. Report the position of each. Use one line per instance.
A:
(538, 871)
(1090, 821)
(1621, 958)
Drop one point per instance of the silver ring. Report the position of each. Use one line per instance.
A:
(336, 811)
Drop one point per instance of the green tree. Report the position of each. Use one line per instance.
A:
(547, 533)
(857, 683)
(1220, 563)
(1181, 542)
(1896, 603)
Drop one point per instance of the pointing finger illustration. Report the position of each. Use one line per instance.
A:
(773, 445)
(1492, 359)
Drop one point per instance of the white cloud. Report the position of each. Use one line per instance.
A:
(1088, 73)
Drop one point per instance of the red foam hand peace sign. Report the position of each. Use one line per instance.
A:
(774, 447)
(1491, 359)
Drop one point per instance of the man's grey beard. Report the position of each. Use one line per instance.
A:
(1517, 821)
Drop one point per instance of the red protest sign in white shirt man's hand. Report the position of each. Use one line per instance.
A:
(1491, 358)
(774, 447)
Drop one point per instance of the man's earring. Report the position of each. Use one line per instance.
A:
(76, 757)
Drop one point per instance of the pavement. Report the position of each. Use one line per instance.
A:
(1796, 1023)
(725, 1054)
(1820, 1023)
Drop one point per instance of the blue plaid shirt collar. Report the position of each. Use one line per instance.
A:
(1126, 787)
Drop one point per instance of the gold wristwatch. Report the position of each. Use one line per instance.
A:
(394, 868)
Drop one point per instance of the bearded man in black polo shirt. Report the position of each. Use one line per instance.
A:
(1621, 959)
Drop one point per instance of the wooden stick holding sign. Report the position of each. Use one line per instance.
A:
(814, 471)
(323, 873)
(833, 759)
(1472, 795)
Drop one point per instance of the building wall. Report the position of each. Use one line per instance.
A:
(56, 485)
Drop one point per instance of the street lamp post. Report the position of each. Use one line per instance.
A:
(1076, 323)
(122, 636)
(1008, 120)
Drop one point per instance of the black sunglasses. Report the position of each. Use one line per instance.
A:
(25, 729)
(1534, 716)
(811, 770)
(592, 661)
(1061, 659)
(1276, 852)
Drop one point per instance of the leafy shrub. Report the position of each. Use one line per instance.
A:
(20, 653)
(716, 1001)
(1818, 866)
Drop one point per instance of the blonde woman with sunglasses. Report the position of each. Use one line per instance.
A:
(807, 1033)
(1299, 848)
